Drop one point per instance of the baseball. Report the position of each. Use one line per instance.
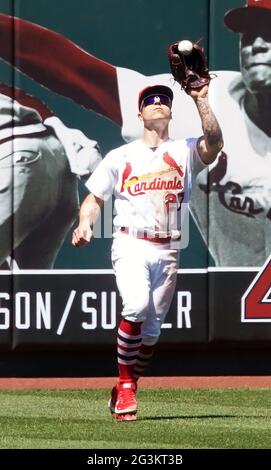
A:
(185, 47)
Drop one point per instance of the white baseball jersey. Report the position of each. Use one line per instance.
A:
(149, 185)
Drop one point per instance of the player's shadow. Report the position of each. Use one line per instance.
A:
(162, 418)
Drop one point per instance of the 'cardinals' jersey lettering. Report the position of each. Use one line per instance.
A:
(146, 183)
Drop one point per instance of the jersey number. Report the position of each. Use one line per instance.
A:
(256, 302)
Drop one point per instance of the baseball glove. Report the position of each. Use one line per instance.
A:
(189, 70)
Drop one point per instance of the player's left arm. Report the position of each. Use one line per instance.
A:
(88, 215)
(211, 143)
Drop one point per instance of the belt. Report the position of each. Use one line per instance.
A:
(145, 235)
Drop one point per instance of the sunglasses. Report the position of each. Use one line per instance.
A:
(152, 99)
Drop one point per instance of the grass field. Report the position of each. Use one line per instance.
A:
(167, 419)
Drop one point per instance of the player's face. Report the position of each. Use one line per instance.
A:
(255, 58)
(156, 107)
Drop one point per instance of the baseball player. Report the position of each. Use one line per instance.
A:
(148, 178)
(38, 179)
(232, 210)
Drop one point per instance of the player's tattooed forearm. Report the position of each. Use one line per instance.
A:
(211, 129)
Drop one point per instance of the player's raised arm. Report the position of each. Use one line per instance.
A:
(189, 68)
(60, 65)
(212, 141)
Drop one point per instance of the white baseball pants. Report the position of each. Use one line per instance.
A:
(146, 274)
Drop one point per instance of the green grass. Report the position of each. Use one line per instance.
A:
(167, 419)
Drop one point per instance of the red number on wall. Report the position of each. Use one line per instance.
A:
(256, 302)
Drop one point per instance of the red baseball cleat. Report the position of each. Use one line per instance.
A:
(123, 404)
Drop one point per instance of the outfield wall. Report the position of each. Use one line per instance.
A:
(223, 289)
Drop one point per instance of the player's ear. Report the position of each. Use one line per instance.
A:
(140, 116)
